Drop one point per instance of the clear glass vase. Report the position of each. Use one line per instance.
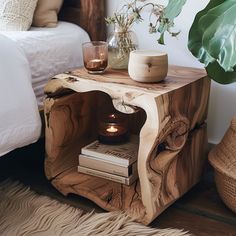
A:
(120, 44)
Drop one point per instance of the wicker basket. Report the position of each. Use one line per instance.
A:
(226, 187)
(223, 159)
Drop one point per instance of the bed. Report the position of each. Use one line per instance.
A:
(29, 59)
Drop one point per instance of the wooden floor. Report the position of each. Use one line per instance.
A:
(200, 211)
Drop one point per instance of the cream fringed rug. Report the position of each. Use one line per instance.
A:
(23, 212)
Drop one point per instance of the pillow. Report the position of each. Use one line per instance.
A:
(46, 13)
(16, 15)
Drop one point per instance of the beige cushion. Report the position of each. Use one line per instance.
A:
(16, 15)
(46, 13)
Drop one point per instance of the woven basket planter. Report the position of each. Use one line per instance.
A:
(223, 159)
(226, 187)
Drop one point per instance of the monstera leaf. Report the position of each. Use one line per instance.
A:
(212, 39)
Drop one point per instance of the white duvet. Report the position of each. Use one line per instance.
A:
(50, 51)
(20, 122)
(29, 59)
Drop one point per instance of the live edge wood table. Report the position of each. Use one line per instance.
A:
(170, 123)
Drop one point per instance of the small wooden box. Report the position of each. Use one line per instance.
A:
(170, 124)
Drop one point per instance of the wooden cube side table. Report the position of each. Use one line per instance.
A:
(171, 128)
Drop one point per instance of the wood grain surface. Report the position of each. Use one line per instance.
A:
(171, 128)
(88, 14)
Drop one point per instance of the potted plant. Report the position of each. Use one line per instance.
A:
(211, 37)
(122, 40)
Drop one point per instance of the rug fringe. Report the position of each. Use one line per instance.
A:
(25, 213)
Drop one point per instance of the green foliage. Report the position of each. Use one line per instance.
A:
(212, 39)
(170, 12)
(161, 17)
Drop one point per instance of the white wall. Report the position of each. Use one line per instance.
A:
(222, 105)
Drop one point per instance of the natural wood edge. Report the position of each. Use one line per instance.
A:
(114, 196)
(172, 140)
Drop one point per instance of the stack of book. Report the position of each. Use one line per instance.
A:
(113, 162)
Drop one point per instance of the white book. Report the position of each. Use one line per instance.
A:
(98, 164)
(108, 176)
(122, 154)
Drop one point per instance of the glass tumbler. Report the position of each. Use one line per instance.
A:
(95, 56)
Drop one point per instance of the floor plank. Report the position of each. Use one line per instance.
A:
(195, 224)
(205, 201)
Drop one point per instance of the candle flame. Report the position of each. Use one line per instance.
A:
(96, 60)
(112, 129)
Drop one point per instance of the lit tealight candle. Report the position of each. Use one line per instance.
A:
(95, 56)
(112, 129)
(95, 63)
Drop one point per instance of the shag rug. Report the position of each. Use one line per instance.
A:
(24, 212)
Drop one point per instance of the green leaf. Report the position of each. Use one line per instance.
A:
(212, 39)
(217, 73)
(162, 29)
(173, 9)
(161, 39)
(170, 12)
(196, 32)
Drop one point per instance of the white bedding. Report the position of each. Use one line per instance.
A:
(29, 59)
(20, 122)
(50, 51)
